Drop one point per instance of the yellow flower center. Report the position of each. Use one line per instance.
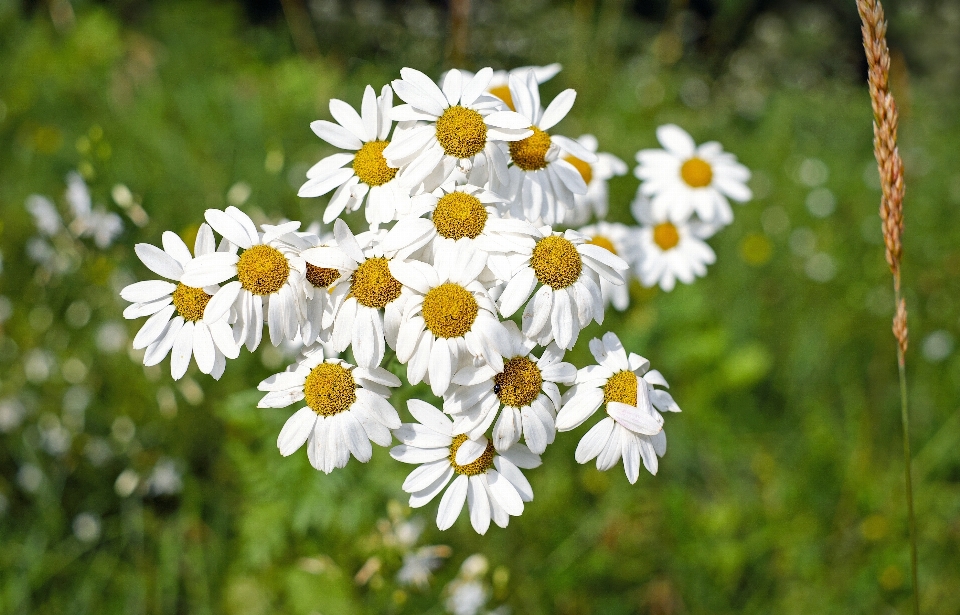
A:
(449, 310)
(459, 215)
(586, 171)
(329, 389)
(603, 242)
(519, 383)
(503, 93)
(372, 284)
(556, 262)
(483, 463)
(621, 387)
(666, 236)
(262, 270)
(370, 165)
(696, 172)
(461, 132)
(190, 302)
(530, 154)
(321, 277)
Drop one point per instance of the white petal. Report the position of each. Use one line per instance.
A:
(182, 351)
(505, 493)
(676, 140)
(425, 475)
(429, 416)
(335, 135)
(638, 420)
(159, 261)
(219, 305)
(153, 328)
(356, 438)
(230, 228)
(296, 431)
(512, 473)
(146, 291)
(203, 349)
(174, 246)
(557, 109)
(479, 505)
(594, 441)
(579, 408)
(452, 502)
(348, 117)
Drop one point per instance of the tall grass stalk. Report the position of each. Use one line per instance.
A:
(885, 119)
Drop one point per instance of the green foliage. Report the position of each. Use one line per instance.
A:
(782, 487)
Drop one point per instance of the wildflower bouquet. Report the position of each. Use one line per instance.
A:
(467, 274)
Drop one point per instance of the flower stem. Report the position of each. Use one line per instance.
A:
(908, 473)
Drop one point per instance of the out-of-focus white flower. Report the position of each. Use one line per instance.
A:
(684, 178)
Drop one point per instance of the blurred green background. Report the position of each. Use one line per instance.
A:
(122, 491)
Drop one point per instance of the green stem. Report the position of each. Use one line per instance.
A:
(908, 473)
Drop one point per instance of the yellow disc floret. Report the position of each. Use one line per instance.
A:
(621, 387)
(696, 172)
(530, 154)
(262, 270)
(461, 132)
(373, 285)
(459, 215)
(556, 262)
(666, 236)
(482, 463)
(321, 277)
(603, 242)
(329, 389)
(370, 165)
(503, 93)
(449, 310)
(190, 302)
(586, 171)
(519, 383)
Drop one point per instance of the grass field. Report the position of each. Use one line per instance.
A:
(122, 491)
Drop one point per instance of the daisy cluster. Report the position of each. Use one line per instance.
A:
(467, 278)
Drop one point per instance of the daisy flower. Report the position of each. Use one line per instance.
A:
(665, 251)
(448, 316)
(460, 127)
(346, 409)
(368, 175)
(181, 319)
(316, 305)
(457, 213)
(499, 85)
(618, 238)
(367, 295)
(568, 271)
(683, 178)
(633, 427)
(542, 181)
(491, 483)
(102, 225)
(526, 390)
(595, 175)
(269, 275)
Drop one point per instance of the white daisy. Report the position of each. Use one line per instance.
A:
(500, 80)
(526, 388)
(180, 320)
(491, 483)
(269, 275)
(448, 316)
(102, 225)
(367, 296)
(346, 409)
(542, 182)
(464, 212)
(633, 427)
(618, 238)
(460, 127)
(316, 307)
(365, 134)
(684, 178)
(665, 251)
(568, 270)
(596, 175)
